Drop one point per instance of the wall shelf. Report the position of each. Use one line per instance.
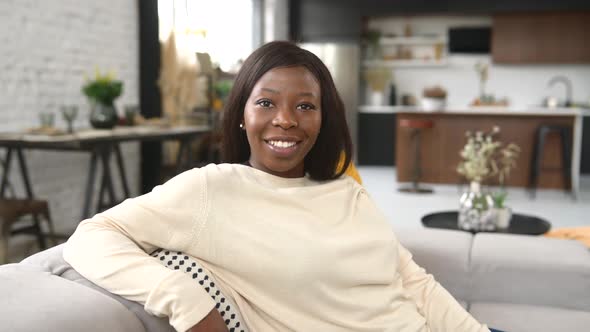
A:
(404, 63)
(415, 51)
(418, 40)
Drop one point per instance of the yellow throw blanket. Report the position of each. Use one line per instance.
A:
(581, 234)
(350, 171)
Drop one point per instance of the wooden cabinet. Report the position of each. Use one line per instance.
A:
(543, 38)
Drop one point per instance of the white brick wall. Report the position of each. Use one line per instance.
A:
(46, 47)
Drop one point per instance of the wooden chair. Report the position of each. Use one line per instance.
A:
(12, 210)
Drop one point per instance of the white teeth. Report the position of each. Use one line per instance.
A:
(281, 144)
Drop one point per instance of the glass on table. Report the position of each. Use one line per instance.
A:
(47, 119)
(69, 113)
(131, 112)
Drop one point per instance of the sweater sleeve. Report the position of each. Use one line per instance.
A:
(111, 249)
(436, 304)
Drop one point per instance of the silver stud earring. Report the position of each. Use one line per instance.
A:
(241, 125)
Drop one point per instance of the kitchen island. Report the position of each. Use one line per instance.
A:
(441, 144)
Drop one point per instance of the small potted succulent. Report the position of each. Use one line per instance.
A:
(503, 213)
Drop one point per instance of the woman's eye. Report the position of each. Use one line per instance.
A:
(264, 103)
(306, 107)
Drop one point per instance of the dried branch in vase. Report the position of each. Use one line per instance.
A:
(484, 158)
(377, 78)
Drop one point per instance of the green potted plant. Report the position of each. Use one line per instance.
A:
(102, 91)
(373, 49)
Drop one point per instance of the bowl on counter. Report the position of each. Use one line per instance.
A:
(432, 104)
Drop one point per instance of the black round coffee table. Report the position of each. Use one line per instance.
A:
(519, 224)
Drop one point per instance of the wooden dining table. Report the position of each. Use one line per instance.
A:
(102, 145)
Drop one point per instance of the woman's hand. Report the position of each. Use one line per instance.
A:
(211, 323)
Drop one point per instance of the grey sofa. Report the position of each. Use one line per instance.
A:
(511, 282)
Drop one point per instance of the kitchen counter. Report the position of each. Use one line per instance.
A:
(442, 143)
(491, 110)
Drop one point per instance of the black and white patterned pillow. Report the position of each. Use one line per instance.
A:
(176, 260)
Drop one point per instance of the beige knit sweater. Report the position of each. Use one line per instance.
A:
(294, 254)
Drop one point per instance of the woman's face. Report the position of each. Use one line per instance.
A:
(282, 119)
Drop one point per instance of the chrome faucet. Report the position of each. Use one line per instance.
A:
(568, 87)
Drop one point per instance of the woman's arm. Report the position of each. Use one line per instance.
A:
(110, 249)
(213, 322)
(441, 310)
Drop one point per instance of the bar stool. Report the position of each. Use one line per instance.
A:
(417, 126)
(564, 133)
(11, 210)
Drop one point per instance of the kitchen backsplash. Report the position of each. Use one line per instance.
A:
(522, 85)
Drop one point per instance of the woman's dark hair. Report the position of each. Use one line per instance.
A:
(333, 139)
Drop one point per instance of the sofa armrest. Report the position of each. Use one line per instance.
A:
(530, 270)
(51, 261)
(34, 300)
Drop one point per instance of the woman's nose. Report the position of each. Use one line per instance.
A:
(284, 118)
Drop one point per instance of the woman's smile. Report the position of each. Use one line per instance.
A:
(283, 146)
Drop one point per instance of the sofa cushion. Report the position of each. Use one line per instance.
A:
(529, 318)
(530, 270)
(51, 261)
(33, 300)
(443, 253)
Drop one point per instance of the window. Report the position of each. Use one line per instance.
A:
(222, 28)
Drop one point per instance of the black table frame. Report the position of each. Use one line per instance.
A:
(101, 149)
(519, 224)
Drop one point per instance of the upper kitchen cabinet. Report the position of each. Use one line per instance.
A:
(541, 38)
(324, 21)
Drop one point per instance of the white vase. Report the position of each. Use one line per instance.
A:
(377, 98)
(503, 216)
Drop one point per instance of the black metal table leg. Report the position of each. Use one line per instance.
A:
(6, 172)
(103, 184)
(106, 173)
(189, 155)
(182, 157)
(90, 183)
(24, 173)
(29, 191)
(121, 166)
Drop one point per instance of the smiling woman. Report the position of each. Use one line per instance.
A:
(275, 239)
